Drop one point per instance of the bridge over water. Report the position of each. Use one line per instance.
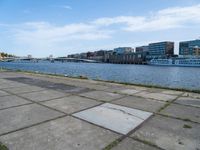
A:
(60, 59)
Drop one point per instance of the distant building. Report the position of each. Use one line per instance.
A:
(50, 56)
(123, 50)
(83, 55)
(107, 56)
(90, 54)
(129, 58)
(196, 51)
(29, 56)
(142, 49)
(161, 49)
(98, 55)
(74, 56)
(189, 48)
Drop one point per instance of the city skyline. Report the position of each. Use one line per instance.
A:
(66, 27)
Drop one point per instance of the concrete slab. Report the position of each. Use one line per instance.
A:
(184, 112)
(23, 116)
(43, 95)
(42, 83)
(24, 89)
(172, 92)
(114, 117)
(170, 134)
(162, 97)
(94, 86)
(128, 91)
(71, 104)
(140, 103)
(114, 89)
(3, 93)
(102, 96)
(122, 90)
(143, 94)
(112, 85)
(130, 144)
(49, 84)
(166, 133)
(157, 96)
(193, 95)
(86, 84)
(10, 85)
(5, 74)
(76, 90)
(138, 88)
(61, 134)
(188, 101)
(9, 101)
(154, 90)
(4, 81)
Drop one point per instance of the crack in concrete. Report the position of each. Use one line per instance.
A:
(124, 112)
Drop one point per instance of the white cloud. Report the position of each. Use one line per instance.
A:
(66, 7)
(164, 19)
(62, 6)
(44, 31)
(44, 35)
(101, 28)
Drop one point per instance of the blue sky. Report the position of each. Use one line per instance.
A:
(61, 27)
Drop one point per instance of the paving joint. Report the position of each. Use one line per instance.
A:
(142, 109)
(35, 124)
(147, 143)
(86, 109)
(121, 93)
(155, 100)
(34, 102)
(178, 118)
(188, 105)
(15, 106)
(103, 101)
(4, 95)
(168, 103)
(117, 137)
(97, 125)
(120, 139)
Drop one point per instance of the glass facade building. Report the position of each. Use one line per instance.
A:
(161, 49)
(142, 49)
(191, 48)
(122, 50)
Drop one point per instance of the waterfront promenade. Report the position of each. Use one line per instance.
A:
(43, 112)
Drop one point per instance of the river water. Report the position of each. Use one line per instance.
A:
(166, 76)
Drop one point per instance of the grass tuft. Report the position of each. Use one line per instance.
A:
(165, 106)
(111, 145)
(186, 119)
(3, 147)
(187, 126)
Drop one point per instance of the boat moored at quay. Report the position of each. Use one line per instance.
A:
(186, 62)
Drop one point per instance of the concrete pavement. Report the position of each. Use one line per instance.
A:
(59, 113)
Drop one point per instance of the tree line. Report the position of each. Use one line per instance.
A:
(2, 54)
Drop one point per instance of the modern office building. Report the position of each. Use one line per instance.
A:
(161, 49)
(123, 50)
(142, 49)
(129, 58)
(189, 48)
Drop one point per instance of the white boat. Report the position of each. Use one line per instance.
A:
(193, 62)
(189, 62)
(160, 62)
